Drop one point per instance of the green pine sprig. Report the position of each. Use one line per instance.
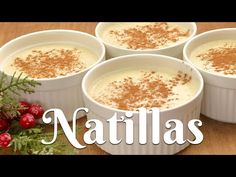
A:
(28, 141)
(10, 87)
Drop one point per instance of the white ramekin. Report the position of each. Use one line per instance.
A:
(173, 50)
(63, 92)
(189, 110)
(219, 101)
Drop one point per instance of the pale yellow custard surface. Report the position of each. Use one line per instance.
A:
(217, 57)
(49, 60)
(143, 35)
(131, 88)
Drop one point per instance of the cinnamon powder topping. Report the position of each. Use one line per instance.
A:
(223, 59)
(149, 36)
(50, 64)
(150, 91)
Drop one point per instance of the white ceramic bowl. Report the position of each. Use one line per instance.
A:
(64, 92)
(189, 110)
(219, 101)
(173, 50)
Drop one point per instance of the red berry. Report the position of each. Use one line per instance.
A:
(24, 107)
(5, 139)
(4, 124)
(27, 121)
(36, 110)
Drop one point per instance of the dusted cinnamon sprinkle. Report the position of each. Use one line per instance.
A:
(151, 36)
(222, 59)
(50, 63)
(151, 90)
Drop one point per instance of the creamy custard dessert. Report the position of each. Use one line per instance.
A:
(217, 57)
(50, 60)
(142, 35)
(132, 88)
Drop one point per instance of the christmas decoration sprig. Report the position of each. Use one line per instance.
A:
(19, 131)
(28, 141)
(9, 89)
